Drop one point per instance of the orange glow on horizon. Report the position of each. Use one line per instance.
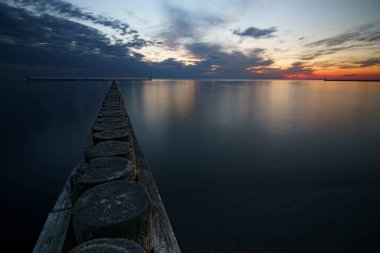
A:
(351, 73)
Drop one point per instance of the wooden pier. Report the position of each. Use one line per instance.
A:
(110, 202)
(86, 79)
(350, 80)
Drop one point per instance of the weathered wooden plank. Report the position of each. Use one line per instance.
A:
(164, 240)
(53, 234)
(64, 199)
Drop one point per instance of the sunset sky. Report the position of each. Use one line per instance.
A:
(191, 39)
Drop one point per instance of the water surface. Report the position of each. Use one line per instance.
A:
(241, 166)
(44, 127)
(264, 166)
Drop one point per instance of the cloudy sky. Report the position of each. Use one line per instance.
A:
(191, 38)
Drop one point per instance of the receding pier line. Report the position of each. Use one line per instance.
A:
(28, 79)
(110, 199)
(350, 80)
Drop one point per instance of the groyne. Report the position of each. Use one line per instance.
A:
(105, 79)
(351, 80)
(110, 202)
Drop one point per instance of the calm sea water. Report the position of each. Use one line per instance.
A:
(44, 127)
(242, 166)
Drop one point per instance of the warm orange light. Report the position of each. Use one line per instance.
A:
(339, 73)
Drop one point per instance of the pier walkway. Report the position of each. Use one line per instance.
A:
(110, 202)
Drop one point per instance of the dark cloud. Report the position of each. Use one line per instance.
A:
(302, 38)
(318, 53)
(228, 64)
(67, 10)
(369, 62)
(256, 33)
(298, 68)
(54, 34)
(361, 37)
(295, 70)
(48, 45)
(364, 34)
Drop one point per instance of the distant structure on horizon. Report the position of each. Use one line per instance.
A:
(28, 79)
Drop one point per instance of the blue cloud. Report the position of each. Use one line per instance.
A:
(67, 10)
(256, 33)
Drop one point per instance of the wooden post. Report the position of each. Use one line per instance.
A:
(111, 119)
(111, 113)
(109, 126)
(111, 135)
(111, 104)
(108, 245)
(108, 149)
(112, 109)
(118, 209)
(102, 170)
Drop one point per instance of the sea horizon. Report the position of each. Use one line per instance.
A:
(24, 78)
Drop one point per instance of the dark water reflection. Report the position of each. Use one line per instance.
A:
(44, 127)
(265, 166)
